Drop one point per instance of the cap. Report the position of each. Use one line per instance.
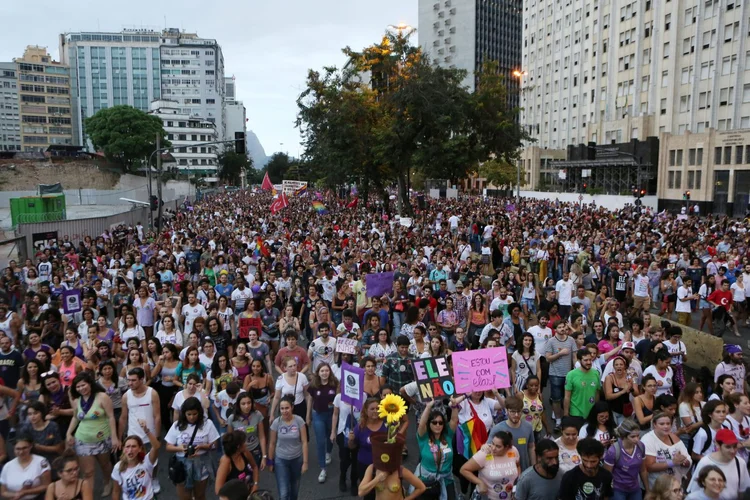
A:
(726, 436)
(732, 349)
(223, 271)
(628, 345)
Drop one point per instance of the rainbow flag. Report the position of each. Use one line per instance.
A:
(319, 207)
(470, 436)
(301, 191)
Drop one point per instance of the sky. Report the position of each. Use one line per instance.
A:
(268, 45)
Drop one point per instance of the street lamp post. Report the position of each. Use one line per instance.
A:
(518, 74)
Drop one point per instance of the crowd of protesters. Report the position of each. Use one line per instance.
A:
(155, 355)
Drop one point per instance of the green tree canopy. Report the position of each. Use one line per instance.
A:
(125, 135)
(278, 166)
(500, 173)
(231, 166)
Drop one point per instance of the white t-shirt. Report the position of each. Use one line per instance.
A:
(298, 390)
(663, 384)
(136, 482)
(131, 333)
(541, 336)
(634, 369)
(564, 292)
(599, 435)
(485, 411)
(664, 453)
(239, 297)
(179, 398)
(734, 486)
(694, 413)
(15, 478)
(675, 348)
(174, 338)
(699, 441)
(684, 305)
(224, 400)
(569, 457)
(738, 292)
(191, 313)
(205, 435)
(322, 352)
(347, 419)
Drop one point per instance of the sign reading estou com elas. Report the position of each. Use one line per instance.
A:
(480, 370)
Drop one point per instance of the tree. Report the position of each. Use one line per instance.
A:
(499, 172)
(125, 135)
(278, 166)
(231, 166)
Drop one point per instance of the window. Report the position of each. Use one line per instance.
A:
(691, 179)
(726, 96)
(678, 179)
(717, 156)
(670, 180)
(678, 161)
(691, 156)
(667, 22)
(665, 78)
(704, 100)
(665, 52)
(728, 155)
(699, 157)
(644, 83)
(724, 124)
(698, 175)
(738, 154)
(663, 106)
(684, 103)
(672, 157)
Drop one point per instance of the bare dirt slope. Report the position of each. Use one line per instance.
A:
(26, 175)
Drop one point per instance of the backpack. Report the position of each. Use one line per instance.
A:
(618, 449)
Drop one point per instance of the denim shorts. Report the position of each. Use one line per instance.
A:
(556, 388)
(196, 469)
(529, 303)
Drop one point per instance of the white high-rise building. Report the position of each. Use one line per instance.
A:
(607, 72)
(186, 132)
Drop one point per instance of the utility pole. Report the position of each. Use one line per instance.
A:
(518, 183)
(158, 177)
(148, 177)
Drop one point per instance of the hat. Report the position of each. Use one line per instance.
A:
(726, 436)
(628, 345)
(223, 271)
(732, 349)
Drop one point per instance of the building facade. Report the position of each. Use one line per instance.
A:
(44, 100)
(237, 120)
(111, 69)
(465, 34)
(713, 166)
(186, 133)
(192, 70)
(10, 120)
(608, 72)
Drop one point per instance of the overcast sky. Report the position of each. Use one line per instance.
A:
(268, 44)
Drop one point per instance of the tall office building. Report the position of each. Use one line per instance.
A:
(230, 88)
(44, 99)
(110, 69)
(193, 75)
(465, 34)
(10, 121)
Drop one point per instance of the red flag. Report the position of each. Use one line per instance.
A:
(267, 184)
(279, 203)
(353, 203)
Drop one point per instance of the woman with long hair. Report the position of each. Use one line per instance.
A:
(618, 388)
(372, 385)
(643, 405)
(411, 321)
(714, 415)
(436, 348)
(321, 393)
(533, 407)
(496, 471)
(690, 408)
(27, 475)
(435, 441)
(524, 362)
(260, 385)
(29, 385)
(237, 462)
(359, 436)
(247, 419)
(168, 363)
(738, 420)
(665, 487)
(724, 386)
(55, 398)
(668, 289)
(192, 389)
(46, 435)
(70, 485)
(288, 449)
(381, 349)
(135, 470)
(662, 443)
(600, 424)
(241, 360)
(292, 383)
(131, 329)
(189, 366)
(478, 318)
(113, 385)
(135, 360)
(93, 429)
(191, 437)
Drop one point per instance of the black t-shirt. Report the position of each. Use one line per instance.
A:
(576, 485)
(10, 368)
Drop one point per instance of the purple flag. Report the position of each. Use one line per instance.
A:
(319, 195)
(352, 385)
(379, 284)
(510, 207)
(72, 301)
(354, 191)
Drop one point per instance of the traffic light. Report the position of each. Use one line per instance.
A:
(635, 193)
(643, 193)
(687, 195)
(239, 142)
(154, 202)
(585, 186)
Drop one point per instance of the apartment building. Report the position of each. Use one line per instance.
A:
(10, 121)
(44, 100)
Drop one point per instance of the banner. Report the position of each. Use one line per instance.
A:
(291, 187)
(40, 241)
(346, 346)
(480, 370)
(433, 378)
(352, 385)
(72, 301)
(379, 284)
(405, 221)
(247, 324)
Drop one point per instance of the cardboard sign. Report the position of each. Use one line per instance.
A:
(346, 346)
(433, 378)
(352, 385)
(379, 284)
(247, 324)
(72, 301)
(480, 370)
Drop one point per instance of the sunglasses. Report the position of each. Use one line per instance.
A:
(437, 422)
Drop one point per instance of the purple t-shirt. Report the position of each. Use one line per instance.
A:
(362, 438)
(625, 472)
(322, 398)
(30, 353)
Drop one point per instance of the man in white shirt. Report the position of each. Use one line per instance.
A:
(190, 312)
(641, 290)
(542, 333)
(564, 289)
(726, 459)
(240, 296)
(684, 296)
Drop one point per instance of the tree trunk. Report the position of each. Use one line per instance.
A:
(403, 197)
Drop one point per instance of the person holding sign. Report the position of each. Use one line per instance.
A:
(435, 440)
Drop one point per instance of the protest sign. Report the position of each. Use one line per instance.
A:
(379, 284)
(433, 378)
(352, 385)
(346, 346)
(247, 324)
(72, 301)
(480, 370)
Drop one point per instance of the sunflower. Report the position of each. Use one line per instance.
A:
(392, 408)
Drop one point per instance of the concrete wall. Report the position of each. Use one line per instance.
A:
(610, 202)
